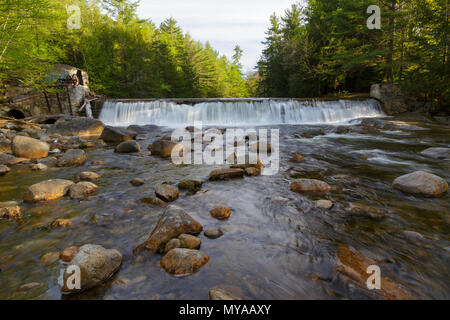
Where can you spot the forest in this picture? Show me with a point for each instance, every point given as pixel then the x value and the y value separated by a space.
pixel 322 48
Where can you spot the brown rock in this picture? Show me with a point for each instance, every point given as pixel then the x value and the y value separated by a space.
pixel 117 135
pixel 183 261
pixel 130 146
pixel 38 167
pixel 190 185
pixel 221 294
pixel 252 172
pixel 68 254
pixel 5 146
pixel 421 183
pixel 47 190
pixel 7 159
pixel 221 213
pixel 310 186
pixel 154 201
pixel 363 210
pixel 189 241
pixel 297 158
pixel 72 157
pixel 223 174
pixel 87 176
pixel 80 126
pixel 167 192
pixel 164 148
pixel 50 258
pixel 4 170
pixel 82 189
pixel 30 148
pixel 137 182
pixel 61 223
pixel 172 244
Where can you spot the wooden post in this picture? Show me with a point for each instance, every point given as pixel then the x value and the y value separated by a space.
pixel 70 102
pixel 59 103
pixel 48 103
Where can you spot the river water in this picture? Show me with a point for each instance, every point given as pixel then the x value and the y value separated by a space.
pixel 276 244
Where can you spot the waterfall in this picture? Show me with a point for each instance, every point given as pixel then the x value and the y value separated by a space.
pixel 227 112
pixel 89 110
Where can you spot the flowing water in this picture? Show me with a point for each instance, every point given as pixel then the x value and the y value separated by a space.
pixel 276 244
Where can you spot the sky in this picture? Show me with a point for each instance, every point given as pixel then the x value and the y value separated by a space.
pixel 225 23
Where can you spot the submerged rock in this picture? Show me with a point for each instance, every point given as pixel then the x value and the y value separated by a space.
pixel 297 158
pixel 191 185
pixel 173 222
pixel 77 126
pixel 183 261
pixel 117 135
pixel 9 160
pixel 38 167
pixel 252 172
pixel 4 170
pixel 61 223
pixel 137 182
pixel 10 210
pixel 213 233
pixel 154 201
pixel 5 146
pixel 221 213
pixel 47 190
pixel 221 294
pixel 96 264
pixel 82 189
pixel 50 258
pixel 189 241
pixel 310 186
pixel 165 148
pixel 72 157
pixel 130 146
pixel 29 286
pixel 324 204
pixel 223 174
pixel 421 183
pixel 172 244
pixel 30 148
pixel 167 192
pixel 437 153
pixel 363 210
pixel 68 254
pixel 87 176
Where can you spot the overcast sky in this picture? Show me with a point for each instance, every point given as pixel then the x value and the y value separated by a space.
pixel 225 23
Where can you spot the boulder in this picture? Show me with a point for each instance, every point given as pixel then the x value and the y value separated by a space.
pixel 172 244
pixel 252 172
pixel 117 135
pixel 221 213
pixel 96 264
pixel 82 189
pixel 47 190
pixel 10 210
pixel 363 210
pixel 189 241
pixel 421 183
pixel 324 204
pixel 87 176
pixel 167 192
pixel 174 222
pixel 213 233
pixel 191 185
pixel 130 146
pixel 7 159
pixel 72 158
pixel 154 201
pixel 437 153
pixel 310 186
pixel 165 148
pixel 183 261
pixel 77 127
pixel 4 170
pixel 38 167
pixel 30 148
pixel 223 174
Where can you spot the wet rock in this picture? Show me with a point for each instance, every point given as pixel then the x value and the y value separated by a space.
pixel 121 284
pixel 189 241
pixel 172 244
pixel 174 222
pixel 68 254
pixel 9 160
pixel 77 126
pixel 30 148
pixel 72 157
pixel 353 266
pixel 221 213
pixel 312 186
pixel 154 202
pixel 96 264
pixel 137 182
pixel 213 233
pixel 130 146
pixel 50 161
pixel 87 145
pixel 437 153
pixel 421 183
pixel 10 210
pixel 167 192
pixel 29 286
pixel 363 210
pixel 223 174
pixel 50 258
pixel 4 170
pixel 61 223
pixel 5 146
pixel 87 176
pixel 297 158
pixel 142 129
pixel 47 190
pixel 260 147
pixel 413 236
pixel 191 185
pixel 165 148
pixel 257 165
pixel 117 135
pixel 38 167
pixel 252 172
pixel 324 204
pixel 345 179
pixel 221 294
pixel 99 163
pixel 183 261
pixel 82 189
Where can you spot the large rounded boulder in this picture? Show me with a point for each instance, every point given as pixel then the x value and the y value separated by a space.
pixel 117 135
pixel 421 183
pixel 47 190
pixel 26 147
pixel 72 158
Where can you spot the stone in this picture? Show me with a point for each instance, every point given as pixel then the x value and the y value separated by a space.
pixel 38 167
pixel 324 204
pixel 68 254
pixel 7 159
pixel 221 294
pixel 47 190
pixel 137 182
pixel 223 174
pixel 82 189
pixel 260 146
pixel 257 165
pixel 173 222
pixel 437 153
pixel 29 148
pixel 312 186
pixel 221 213
pixel 77 126
pixel 5 146
pixel 154 201
pixel 189 241
pixel 130 146
pixel 87 176
pixel 191 185
pixel 10 210
pixel 167 192
pixel 297 158
pixel 61 223
pixel 4 170
pixel 29 286
pixel 164 148
pixel 96 264
pixel 72 157
pixel 363 210
pixel 183 261
pixel 172 244
pixel 50 258
pixel 413 235
pixel 117 135
pixel 421 183
pixel 252 172
pixel 213 233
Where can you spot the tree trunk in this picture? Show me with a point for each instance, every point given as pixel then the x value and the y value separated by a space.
pixel 390 52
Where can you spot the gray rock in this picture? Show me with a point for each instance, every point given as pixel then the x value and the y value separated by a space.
pixel 117 135
pixel 213 233
pixel 167 192
pixel 437 153
pixel 130 146
pixel 165 148
pixel 421 183
pixel 224 174
pixel 82 189
pixel 72 157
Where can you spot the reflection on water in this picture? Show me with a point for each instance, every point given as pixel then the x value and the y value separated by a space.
pixel 277 245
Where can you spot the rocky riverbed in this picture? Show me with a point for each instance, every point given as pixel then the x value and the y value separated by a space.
pixel 370 192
